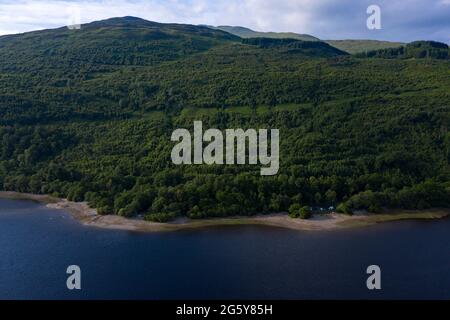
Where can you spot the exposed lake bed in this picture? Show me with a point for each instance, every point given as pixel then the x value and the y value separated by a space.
pixel 88 216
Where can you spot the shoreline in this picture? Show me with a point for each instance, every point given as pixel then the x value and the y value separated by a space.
pixel 334 221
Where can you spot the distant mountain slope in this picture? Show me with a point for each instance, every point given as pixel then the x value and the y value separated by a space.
pixel 416 50
pixel 249 33
pixel 350 46
pixel 356 46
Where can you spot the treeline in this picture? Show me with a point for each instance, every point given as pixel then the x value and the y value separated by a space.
pixel 428 194
pixel 416 50
pixel 314 49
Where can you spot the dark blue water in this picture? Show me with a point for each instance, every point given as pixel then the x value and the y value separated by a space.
pixel 37 244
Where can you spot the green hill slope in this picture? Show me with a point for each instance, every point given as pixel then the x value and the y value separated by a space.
pixel 357 46
pixel 116 41
pixel 93 122
pixel 413 50
pixel 51 66
pixel 350 46
pixel 249 33
pixel 316 49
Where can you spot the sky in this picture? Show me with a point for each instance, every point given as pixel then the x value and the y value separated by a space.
pixel 401 20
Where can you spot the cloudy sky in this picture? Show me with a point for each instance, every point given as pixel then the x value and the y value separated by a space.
pixel 402 20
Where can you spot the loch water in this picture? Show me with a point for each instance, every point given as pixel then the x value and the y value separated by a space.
pixel 37 244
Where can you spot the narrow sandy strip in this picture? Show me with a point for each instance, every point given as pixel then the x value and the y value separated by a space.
pixel 89 217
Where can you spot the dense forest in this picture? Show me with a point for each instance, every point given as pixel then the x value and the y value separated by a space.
pixel 88 114
pixel 413 50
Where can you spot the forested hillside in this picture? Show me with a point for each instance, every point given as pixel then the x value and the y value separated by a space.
pixel 413 50
pixel 88 114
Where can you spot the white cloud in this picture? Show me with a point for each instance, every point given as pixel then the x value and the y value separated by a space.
pixel 278 15
pixel 327 19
